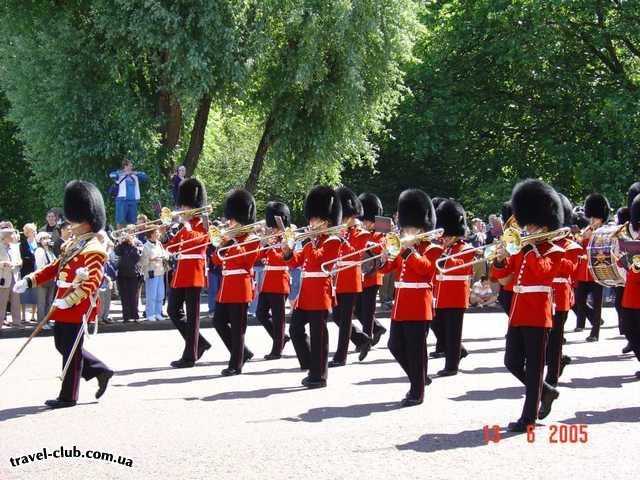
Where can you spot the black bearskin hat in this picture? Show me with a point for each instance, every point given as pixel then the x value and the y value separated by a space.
pixel 277 209
pixel 191 193
pixel 506 211
pixel 634 190
pixel 536 203
pixel 415 209
pixel 596 205
pixel 324 203
pixel 623 215
pixel 436 202
pixel 371 206
pixel 567 208
pixel 83 203
pixel 634 213
pixel 451 217
pixel 351 204
pixel 240 206
pixel 581 221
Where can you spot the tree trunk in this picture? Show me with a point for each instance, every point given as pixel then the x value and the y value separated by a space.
pixel 170 111
pixel 196 142
pixel 266 142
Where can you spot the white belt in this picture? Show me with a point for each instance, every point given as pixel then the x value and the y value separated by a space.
pixel 349 263
pixel 63 284
pixel 560 280
pixel 532 289
pixel 460 278
pixel 412 285
pixel 190 256
pixel 314 275
pixel 275 268
pixel 237 271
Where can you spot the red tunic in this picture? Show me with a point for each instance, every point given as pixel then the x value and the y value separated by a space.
pixel 452 289
pixel 237 273
pixel 413 294
pixel 376 277
pixel 350 280
pixel 78 295
pixel 276 278
pixel 191 269
pixel 562 289
pixel 582 273
pixel 534 271
pixel 315 287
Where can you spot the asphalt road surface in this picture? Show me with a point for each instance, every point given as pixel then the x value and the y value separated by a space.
pixel 157 422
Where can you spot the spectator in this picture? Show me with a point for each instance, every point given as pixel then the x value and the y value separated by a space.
pixel 65 234
pixel 52 225
pixel 104 292
pixel 214 277
pixel 478 235
pixel 44 293
pixel 28 247
pixel 179 176
pixel 128 192
pixel 482 295
pixel 152 266
pixel 495 228
pixel 128 251
pixel 10 263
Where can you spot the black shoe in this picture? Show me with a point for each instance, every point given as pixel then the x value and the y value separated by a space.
pixel 230 372
pixel 377 335
pixel 58 403
pixel 564 341
pixel 103 381
pixel 201 352
pixel 364 350
pixel 520 426
pixel 578 329
pixel 286 339
pixel 548 398
pixel 272 356
pixel 638 374
pixel 627 349
pixel 247 357
pixel 335 363
pixel 601 322
pixel 591 338
pixel 182 364
pixel 309 383
pixel 464 353
pixel 410 402
pixel 447 373
pixel 436 354
pixel 427 380
pixel 564 361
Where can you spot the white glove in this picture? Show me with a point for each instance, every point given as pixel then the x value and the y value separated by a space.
pixel 61 304
pixel 82 274
pixel 21 286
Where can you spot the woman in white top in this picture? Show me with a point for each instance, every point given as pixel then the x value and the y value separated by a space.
pixel 152 267
pixel 44 256
pixel 10 263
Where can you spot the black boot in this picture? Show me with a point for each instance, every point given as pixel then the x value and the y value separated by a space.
pixel 548 397
pixel 59 403
pixel 103 381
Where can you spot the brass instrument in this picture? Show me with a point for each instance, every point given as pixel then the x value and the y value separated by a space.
pixel 166 218
pixel 288 235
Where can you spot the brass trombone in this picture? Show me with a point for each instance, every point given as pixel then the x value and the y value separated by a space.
pixel 166 217
pixel 392 245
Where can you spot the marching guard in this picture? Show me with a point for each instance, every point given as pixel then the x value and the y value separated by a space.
pixel 631 295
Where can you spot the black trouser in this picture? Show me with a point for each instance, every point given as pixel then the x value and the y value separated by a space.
pixel 583 311
pixel 366 311
pixel 83 363
pixel 194 343
pixel 274 303
pixel 504 299
pixel 524 357
pixel 312 354
pixel 632 326
pixel 408 345
pixel 447 327
pixel 342 315
pixel 230 321
pixel 619 292
pixel 128 288
pixel 554 348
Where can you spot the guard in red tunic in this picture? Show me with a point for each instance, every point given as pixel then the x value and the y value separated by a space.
pixel 348 282
pixel 624 216
pixel 273 292
pixel 236 288
pixel 190 274
pixel 505 295
pixel 78 273
pixel 372 277
pixel 537 208
pixel 562 298
pixel 452 289
pixel 322 209
pixel 631 295
pixel 412 308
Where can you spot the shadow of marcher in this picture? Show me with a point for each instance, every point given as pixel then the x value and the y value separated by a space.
pixel 481 370
pixel 612 381
pixel 247 394
pixel 507 393
pixel 164 381
pixel 615 415
pixel 383 381
pixel 316 415
pixel 133 371
pixel 435 442
pixel 19 412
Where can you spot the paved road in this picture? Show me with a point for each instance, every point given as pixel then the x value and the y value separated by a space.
pixel 192 424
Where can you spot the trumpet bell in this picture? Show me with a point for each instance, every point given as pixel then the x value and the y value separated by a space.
pixel 393 244
pixel 215 236
pixel 166 215
pixel 512 241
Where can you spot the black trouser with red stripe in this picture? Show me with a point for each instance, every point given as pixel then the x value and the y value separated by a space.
pixel 583 310
pixel 366 310
pixel 274 303
pixel 447 327
pixel 312 353
pixel 524 357
pixel 342 316
pixel 230 321
pixel 194 343
pixel 408 345
pixel 554 348
pixel 632 327
pixel 619 292
pixel 83 363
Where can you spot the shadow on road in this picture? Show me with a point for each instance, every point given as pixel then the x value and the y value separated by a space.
pixel 274 371
pixel 576 360
pixel 163 381
pixel 435 442
pixel 383 381
pixel 133 371
pixel 315 415
pixel 12 413
pixel 615 415
pixel 507 393
pixel 247 394
pixel 485 370
pixel 612 381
